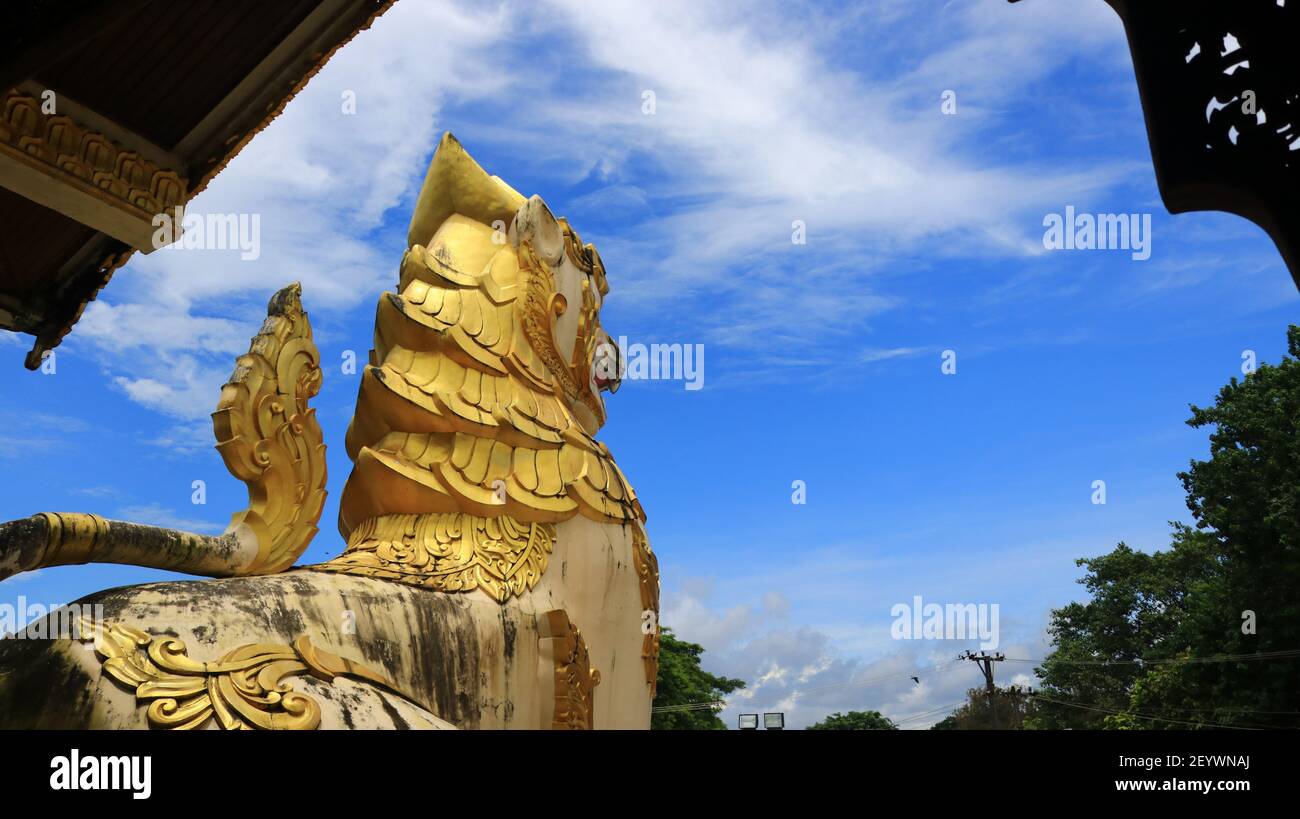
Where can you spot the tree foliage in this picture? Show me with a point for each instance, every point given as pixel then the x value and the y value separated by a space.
pixel 681 681
pixel 1177 629
pixel 1011 706
pixel 855 721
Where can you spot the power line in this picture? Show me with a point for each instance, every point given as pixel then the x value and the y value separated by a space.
pixel 692 706
pixel 1152 717
pixel 1217 658
pixel 931 713
pixel 1235 708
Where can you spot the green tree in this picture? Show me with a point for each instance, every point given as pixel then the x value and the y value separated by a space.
pixel 682 682
pixel 1013 706
pixel 1138 603
pixel 1177 629
pixel 1246 496
pixel 855 721
pixel 948 723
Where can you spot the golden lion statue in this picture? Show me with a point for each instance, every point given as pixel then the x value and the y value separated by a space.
pixel 497 573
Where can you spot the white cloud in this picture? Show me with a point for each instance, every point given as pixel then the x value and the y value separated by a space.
pixel 759 122
pixel 876 354
pixel 178 384
pixel 320 181
pixel 796 669
pixel 23 577
pixel 814 636
pixel 98 492
pixel 152 514
pixel 27 433
pixel 756 125
pixel 14 446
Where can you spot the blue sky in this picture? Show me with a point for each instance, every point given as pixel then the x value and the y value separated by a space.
pixel 924 234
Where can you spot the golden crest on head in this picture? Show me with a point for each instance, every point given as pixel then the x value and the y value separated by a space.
pixel 484 390
pixel 456 184
pixel 473 223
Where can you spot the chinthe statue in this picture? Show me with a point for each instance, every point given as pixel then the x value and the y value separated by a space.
pixel 497 572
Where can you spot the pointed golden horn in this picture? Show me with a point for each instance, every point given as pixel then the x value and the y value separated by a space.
pixel 456 183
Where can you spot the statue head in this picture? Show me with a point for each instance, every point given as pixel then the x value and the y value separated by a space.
pixel 485 388
pixel 476 224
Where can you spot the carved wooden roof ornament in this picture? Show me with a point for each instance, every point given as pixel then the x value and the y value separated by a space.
pixel 1220 90
pixel 97 138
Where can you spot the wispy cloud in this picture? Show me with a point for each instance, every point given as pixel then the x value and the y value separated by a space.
pixel 798 669
pixel 153 514
pixel 12 446
pixel 758 124
pixel 29 433
pixel 873 355
pixel 321 182
pixel 98 492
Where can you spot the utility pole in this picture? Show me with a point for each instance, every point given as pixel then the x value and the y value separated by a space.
pixel 985 661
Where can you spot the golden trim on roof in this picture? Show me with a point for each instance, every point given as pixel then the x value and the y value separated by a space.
pixel 91 162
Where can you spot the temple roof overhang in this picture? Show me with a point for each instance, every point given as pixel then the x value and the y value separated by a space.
pixel 114 111
pixel 1220 90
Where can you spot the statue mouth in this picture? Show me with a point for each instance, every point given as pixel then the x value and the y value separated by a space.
pixel 604 384
pixel 607 367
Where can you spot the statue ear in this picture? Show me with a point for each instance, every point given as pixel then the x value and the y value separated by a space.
pixel 535 224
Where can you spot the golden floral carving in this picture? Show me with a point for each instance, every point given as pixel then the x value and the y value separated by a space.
pixel 61 147
pixel 575 679
pixel 246 689
pixel 584 255
pixel 450 552
pixel 542 305
pixel 647 569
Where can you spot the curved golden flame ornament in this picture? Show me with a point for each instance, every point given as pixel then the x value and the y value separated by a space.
pixel 245 690
pixel 270 439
